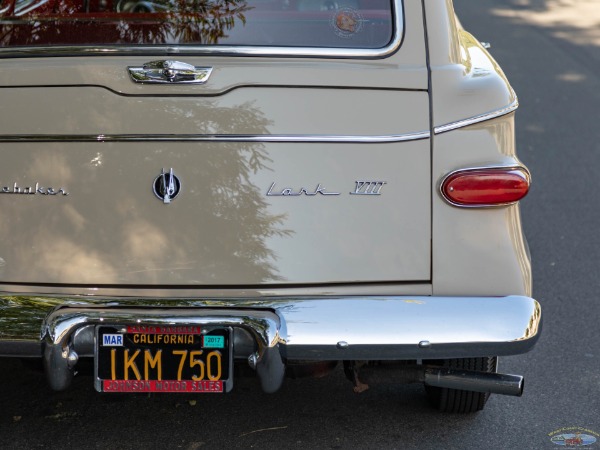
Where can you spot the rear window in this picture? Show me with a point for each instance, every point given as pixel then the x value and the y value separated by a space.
pixel 361 24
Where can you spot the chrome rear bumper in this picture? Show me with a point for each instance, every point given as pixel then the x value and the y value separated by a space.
pixel 350 328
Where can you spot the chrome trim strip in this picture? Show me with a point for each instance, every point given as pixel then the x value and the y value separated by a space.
pixel 522 169
pixel 291 52
pixel 212 138
pixel 476 119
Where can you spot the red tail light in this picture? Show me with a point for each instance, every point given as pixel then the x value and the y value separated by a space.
pixel 486 187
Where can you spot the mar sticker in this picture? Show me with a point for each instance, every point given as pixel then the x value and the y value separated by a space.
pixel 346 22
pixel 112 340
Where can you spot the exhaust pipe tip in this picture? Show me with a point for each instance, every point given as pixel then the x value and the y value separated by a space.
pixel 494 383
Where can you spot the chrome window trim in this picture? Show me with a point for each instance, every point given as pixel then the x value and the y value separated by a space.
pixel 224 50
pixel 520 168
pixel 213 138
pixel 477 119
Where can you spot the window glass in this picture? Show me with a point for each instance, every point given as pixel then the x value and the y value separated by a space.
pixel 365 24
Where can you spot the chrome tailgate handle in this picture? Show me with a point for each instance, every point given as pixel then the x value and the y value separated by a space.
pixel 169 72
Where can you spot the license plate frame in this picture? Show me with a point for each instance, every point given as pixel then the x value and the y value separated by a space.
pixel 201 352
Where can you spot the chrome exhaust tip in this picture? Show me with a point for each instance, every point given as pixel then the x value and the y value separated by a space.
pixel 494 383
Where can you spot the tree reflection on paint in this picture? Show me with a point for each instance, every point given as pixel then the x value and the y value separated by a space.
pixel 113 231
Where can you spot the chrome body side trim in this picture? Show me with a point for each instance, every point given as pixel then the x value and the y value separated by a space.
pixel 419 135
pixel 212 138
pixel 476 119
pixel 224 50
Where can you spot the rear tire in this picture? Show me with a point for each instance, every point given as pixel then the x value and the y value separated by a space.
pixel 456 400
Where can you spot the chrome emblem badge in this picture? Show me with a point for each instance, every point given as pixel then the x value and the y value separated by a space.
pixel 166 186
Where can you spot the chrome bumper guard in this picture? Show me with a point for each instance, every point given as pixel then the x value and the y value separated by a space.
pixel 351 328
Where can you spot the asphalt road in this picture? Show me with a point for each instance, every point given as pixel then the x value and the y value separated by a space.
pixel 554 69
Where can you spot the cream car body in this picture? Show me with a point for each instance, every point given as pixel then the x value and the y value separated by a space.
pixel 309 217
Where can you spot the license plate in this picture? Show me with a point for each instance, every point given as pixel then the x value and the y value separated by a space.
pixel 187 359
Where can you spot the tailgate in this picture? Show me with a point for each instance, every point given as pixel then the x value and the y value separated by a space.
pixel 276 185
